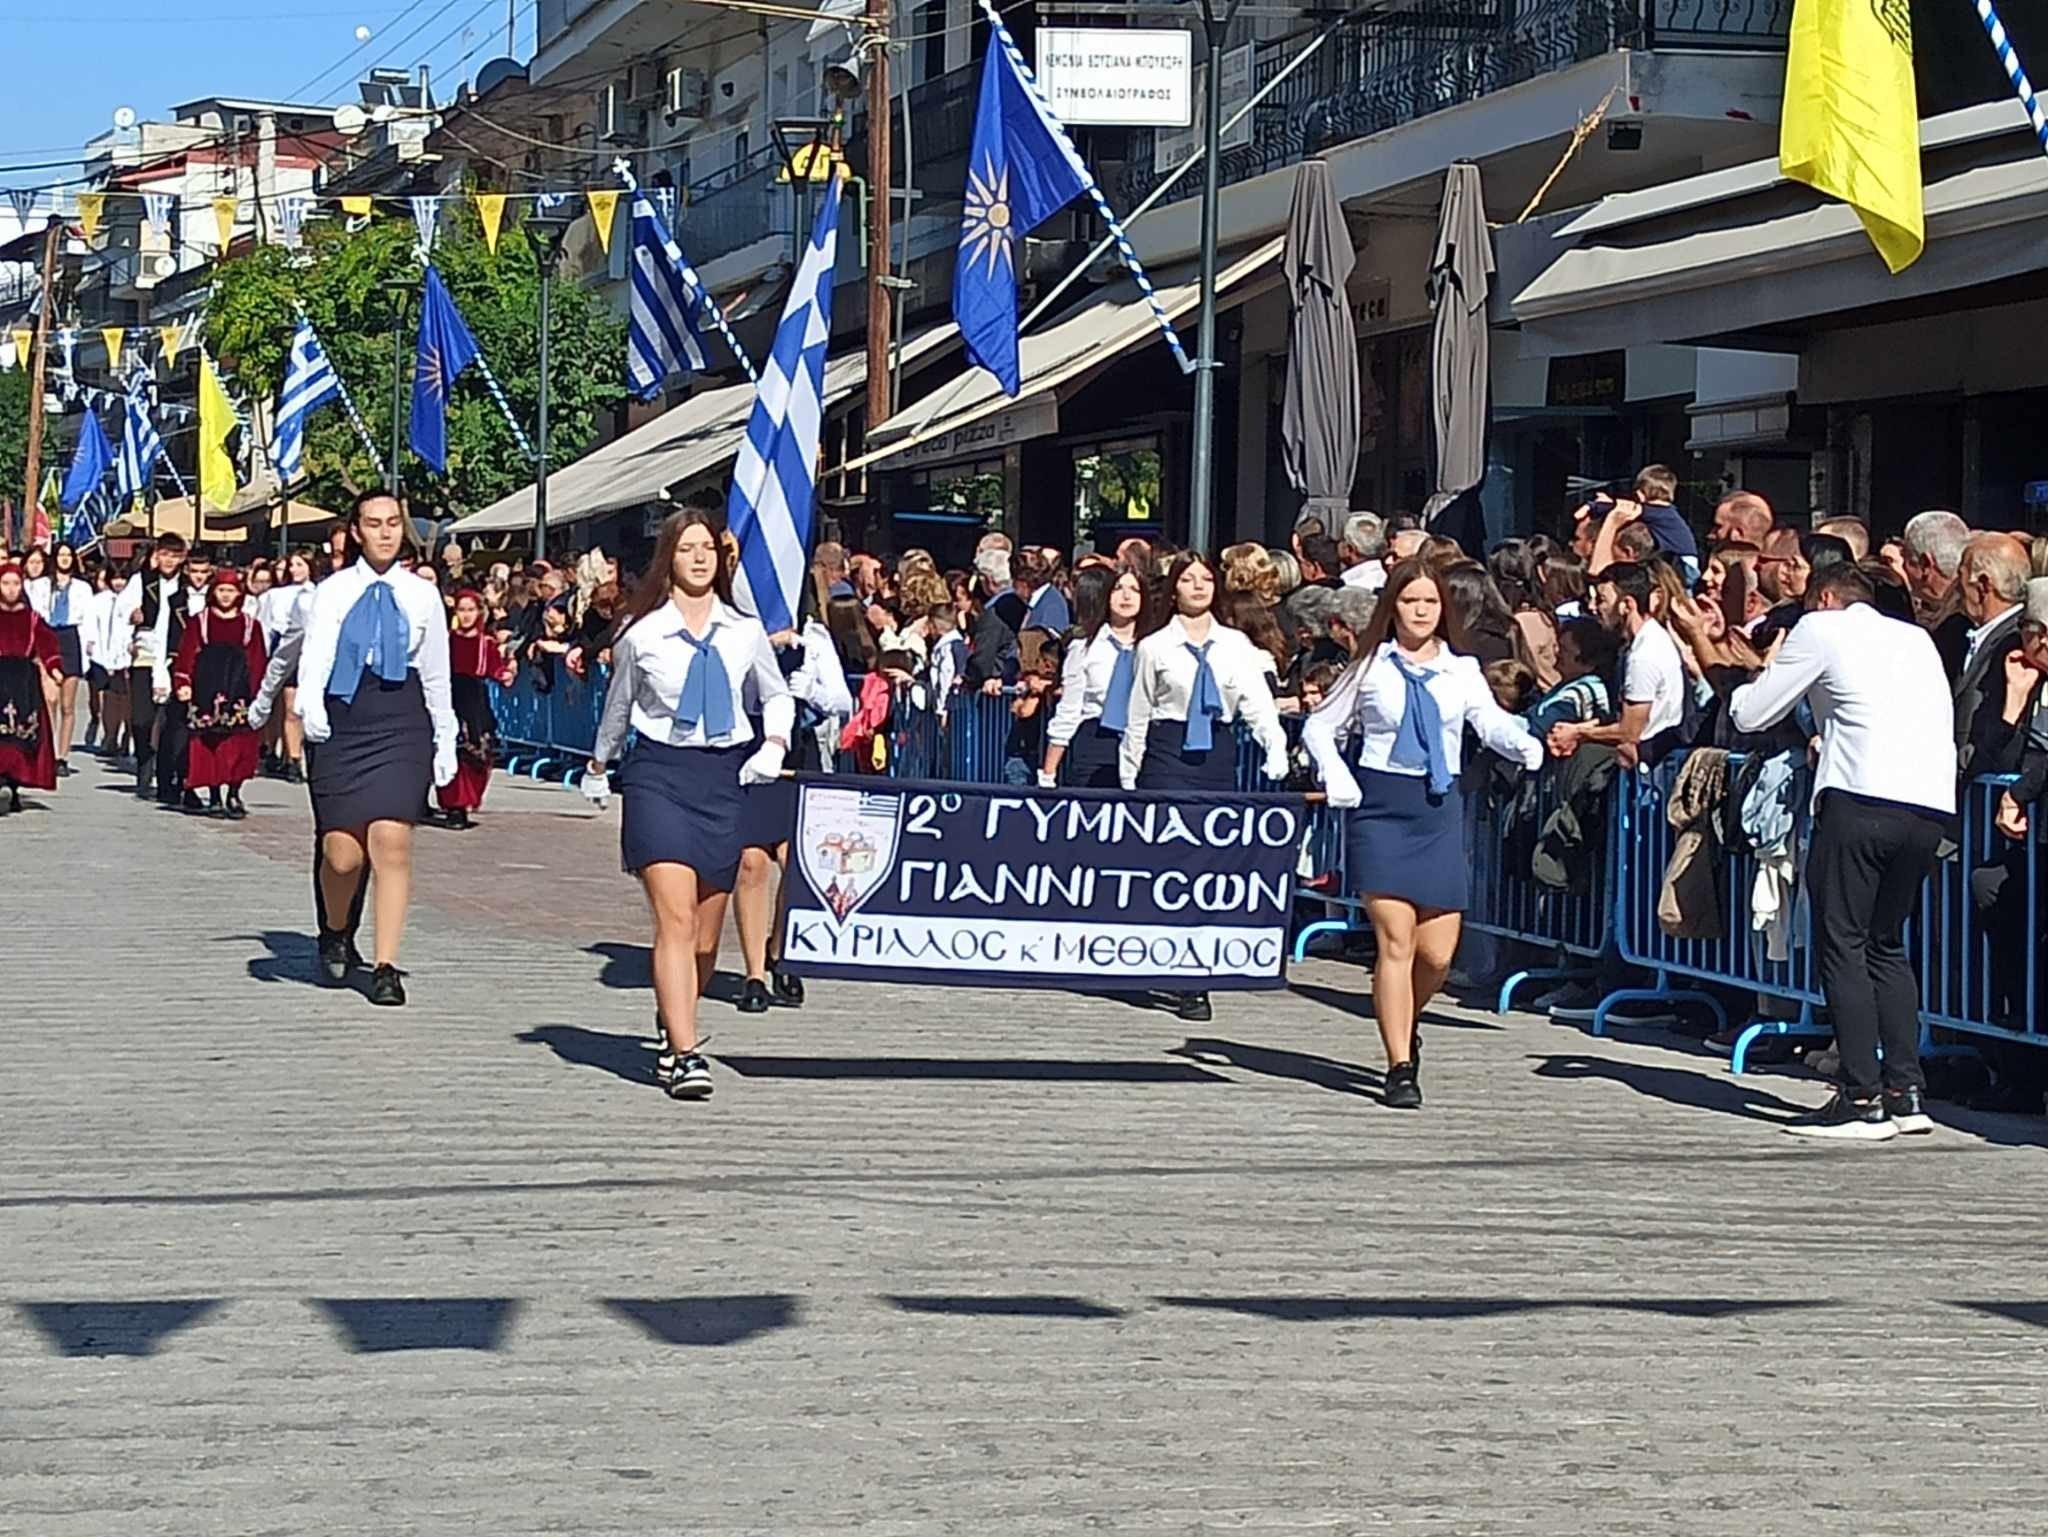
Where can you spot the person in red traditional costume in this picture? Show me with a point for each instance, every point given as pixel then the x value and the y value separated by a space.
pixel 475 662
pixel 219 665
pixel 29 665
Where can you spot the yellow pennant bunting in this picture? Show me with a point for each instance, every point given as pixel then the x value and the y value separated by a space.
pixel 356 207
pixel 224 221
pixel 113 336
pixel 24 345
pixel 490 211
pixel 91 205
pixel 604 207
pixel 173 337
pixel 216 421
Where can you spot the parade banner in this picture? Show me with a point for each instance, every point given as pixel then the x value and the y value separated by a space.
pixel 1000 886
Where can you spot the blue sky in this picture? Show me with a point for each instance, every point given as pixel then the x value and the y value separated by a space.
pixel 81 61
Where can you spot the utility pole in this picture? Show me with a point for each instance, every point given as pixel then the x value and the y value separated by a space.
pixel 35 383
pixel 875 66
pixel 399 289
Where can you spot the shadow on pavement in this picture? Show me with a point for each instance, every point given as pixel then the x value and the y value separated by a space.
pixel 1006 1307
pixel 707 1320
pixel 1675 1085
pixel 1338 1309
pixel 376 1324
pixel 973 1069
pixel 1323 1072
pixel 1358 1004
pixel 631 968
pixel 2035 1313
pixel 623 1056
pixel 114 1328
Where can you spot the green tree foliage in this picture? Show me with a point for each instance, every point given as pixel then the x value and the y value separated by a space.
pixel 14 434
pixel 338 278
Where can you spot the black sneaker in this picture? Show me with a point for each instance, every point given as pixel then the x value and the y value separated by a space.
pixel 1908 1110
pixel 1194 1008
pixel 1404 1088
pixel 63 768
pixel 336 954
pixel 789 990
pixel 236 811
pixel 1843 1119
pixel 691 1078
pixel 295 774
pixel 1636 1011
pixel 386 990
pixel 754 997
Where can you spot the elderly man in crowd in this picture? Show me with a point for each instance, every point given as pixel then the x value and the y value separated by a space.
pixel 1990 586
pixel 830 563
pixel 1363 548
pixel 1933 551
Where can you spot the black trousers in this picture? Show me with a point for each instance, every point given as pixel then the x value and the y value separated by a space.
pixel 142 708
pixel 173 736
pixel 1863 875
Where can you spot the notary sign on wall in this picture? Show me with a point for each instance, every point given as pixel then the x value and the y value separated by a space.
pixel 994 886
pixel 1110 78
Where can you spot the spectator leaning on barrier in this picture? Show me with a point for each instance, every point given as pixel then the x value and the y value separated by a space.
pixel 1884 799
pixel 1653 682
pixel 1931 550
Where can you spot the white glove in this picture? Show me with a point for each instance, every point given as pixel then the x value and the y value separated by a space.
pixel 1047 781
pixel 315 722
pixel 1276 766
pixel 596 788
pixel 765 767
pixel 444 765
pixel 259 712
pixel 1342 793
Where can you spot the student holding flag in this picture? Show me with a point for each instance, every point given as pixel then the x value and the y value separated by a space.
pixel 1087 730
pixel 688 670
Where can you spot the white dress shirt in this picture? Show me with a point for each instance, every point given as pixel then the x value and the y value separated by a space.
pixel 114 645
pixel 1974 641
pixel 44 602
pixel 426 649
pixel 1084 686
pixel 274 609
pixel 1876 685
pixel 1653 673
pixel 284 650
pixel 1367 576
pixel 1368 705
pixel 1164 676
pixel 651 663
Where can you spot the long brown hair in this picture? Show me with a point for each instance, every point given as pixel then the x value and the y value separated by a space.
pixel 654 585
pixel 1416 568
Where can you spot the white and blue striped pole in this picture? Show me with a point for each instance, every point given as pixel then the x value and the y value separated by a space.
pixel 2009 57
pixel 690 274
pixel 1109 218
pixel 355 417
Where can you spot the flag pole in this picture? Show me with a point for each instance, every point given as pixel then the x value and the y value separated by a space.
pixel 2008 56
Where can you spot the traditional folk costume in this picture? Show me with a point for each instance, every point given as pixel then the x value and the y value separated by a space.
pixel 221 660
pixel 156 718
pixel 28 651
pixel 474 663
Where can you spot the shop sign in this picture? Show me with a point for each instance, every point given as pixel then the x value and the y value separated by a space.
pixel 1112 78
pixel 1171 147
pixel 1037 416
pixel 1597 379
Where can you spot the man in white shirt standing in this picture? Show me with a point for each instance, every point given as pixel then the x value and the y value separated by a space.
pixel 1884 798
pixel 1652 680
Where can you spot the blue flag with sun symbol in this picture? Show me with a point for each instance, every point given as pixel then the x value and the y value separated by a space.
pixel 1021 170
pixel 445 349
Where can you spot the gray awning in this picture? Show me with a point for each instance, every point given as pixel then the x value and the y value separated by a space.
pixel 1741 251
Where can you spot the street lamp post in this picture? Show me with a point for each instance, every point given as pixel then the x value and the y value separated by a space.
pixel 399 289
pixel 1202 473
pixel 546 229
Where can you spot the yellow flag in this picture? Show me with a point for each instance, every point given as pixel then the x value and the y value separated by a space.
pixel 604 207
pixel 25 345
pixel 490 211
pixel 91 205
pixel 224 220
pixel 113 336
pixel 216 421
pixel 173 337
pixel 1851 120
pixel 356 207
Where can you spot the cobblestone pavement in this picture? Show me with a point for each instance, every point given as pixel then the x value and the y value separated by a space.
pixel 931 1261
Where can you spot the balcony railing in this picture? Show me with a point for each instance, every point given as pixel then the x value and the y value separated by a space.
pixel 731 209
pixel 1390 67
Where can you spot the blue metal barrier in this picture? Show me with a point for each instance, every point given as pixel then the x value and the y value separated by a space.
pixel 1979 976
pixel 1508 901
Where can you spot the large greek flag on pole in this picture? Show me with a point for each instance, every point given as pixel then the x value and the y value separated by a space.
pixel 140 445
pixel 309 382
pixel 667 301
pixel 774 484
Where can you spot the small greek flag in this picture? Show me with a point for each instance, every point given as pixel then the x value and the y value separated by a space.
pixel 160 208
pixel 775 481
pixel 665 335
pixel 309 382
pixel 140 446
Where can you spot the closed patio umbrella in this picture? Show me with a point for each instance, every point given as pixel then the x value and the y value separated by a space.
pixel 1460 278
pixel 1319 413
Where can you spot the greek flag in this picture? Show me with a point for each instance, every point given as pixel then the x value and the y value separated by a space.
pixel 140 446
pixel 668 301
pixel 310 382
pixel 775 481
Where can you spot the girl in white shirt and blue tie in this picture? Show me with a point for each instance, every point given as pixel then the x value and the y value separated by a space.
pixel 1087 729
pixel 1192 682
pixel 687 670
pixel 1403 707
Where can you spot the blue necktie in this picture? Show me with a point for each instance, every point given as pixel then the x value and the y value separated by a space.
pixel 1116 700
pixel 1205 702
pixel 60 611
pixel 706 699
pixel 1420 741
pixel 374 638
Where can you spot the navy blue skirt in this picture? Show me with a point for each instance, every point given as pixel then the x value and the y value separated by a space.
pixel 1404 842
pixel 1169 765
pixel 378 763
pixel 683 806
pixel 1091 762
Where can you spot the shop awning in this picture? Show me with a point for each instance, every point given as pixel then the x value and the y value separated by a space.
pixel 1089 336
pixel 699 436
pixel 1731 255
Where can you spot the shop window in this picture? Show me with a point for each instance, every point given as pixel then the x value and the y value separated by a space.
pixel 1116 482
pixel 973 489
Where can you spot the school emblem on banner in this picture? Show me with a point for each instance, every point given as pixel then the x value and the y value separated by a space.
pixel 846 845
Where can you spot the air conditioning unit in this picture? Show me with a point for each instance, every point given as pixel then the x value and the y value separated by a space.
pixel 643 83
pixel 689 96
pixel 623 122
